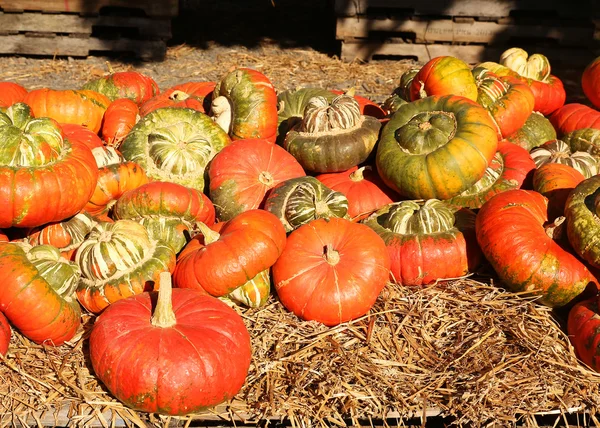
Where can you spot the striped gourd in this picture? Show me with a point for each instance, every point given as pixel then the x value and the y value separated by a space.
pixel 255 292
pixel 557 151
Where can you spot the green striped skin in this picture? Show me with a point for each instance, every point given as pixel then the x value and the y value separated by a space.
pixel 536 131
pixel 118 260
pixel 291 105
pixel 300 200
pixel 436 148
pixel 584 140
pixel 332 137
pixel 175 145
pixel 583 222
pixel 557 151
pixel 61 274
pixel 255 292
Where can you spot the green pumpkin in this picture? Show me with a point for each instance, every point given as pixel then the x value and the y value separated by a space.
pixel 436 147
pixel 291 105
pixel 535 132
pixel 584 140
pixel 300 200
pixel 175 145
pixel 582 211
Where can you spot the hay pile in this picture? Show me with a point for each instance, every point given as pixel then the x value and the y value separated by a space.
pixel 466 349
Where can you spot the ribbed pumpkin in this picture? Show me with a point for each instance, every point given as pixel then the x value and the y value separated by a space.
pixel 436 147
pixel 444 75
pixel 590 82
pixel 510 231
pixel 132 85
pixel 119 119
pixel 82 107
pixel 584 140
pixel 572 117
pixel 558 151
pixel 73 132
pixel 367 107
pixel 582 212
pixel 508 99
pixel 300 200
pixel 242 173
pixel 175 145
pixel 400 95
pixel 427 241
pixel 556 181
pixel 509 169
pixel 535 132
pixel 244 104
pixel 11 93
pixel 115 177
pixel 331 271
pixel 362 187
pixel 118 260
pixel 247 245
pixel 169 211
pixel 174 354
pixel 194 95
pixel 5 334
pixel 29 301
pixel 583 326
pixel 37 164
pixel 332 137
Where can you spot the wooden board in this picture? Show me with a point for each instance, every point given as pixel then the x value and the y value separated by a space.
pixel 487 8
pixel 15 23
pixel 472 54
pixel 466 30
pixel 80 47
pixel 166 8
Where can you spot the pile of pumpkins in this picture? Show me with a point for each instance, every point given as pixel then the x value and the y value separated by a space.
pixel 158 211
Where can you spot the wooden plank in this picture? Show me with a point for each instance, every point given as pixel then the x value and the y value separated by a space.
pixel 489 8
pixel 14 23
pixel 166 8
pixel 463 31
pixel 472 54
pixel 80 47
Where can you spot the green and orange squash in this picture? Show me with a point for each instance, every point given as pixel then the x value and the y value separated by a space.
pixel 132 85
pixel 444 75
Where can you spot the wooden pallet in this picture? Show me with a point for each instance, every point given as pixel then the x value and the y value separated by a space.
pixel 162 8
pixel 465 30
pixel 482 8
pixel 472 54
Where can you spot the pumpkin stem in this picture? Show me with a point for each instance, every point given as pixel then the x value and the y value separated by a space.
pixel 222 113
pixel 331 256
pixel 109 68
pixel 163 315
pixel 556 230
pixel 266 178
pixel 351 91
pixel 422 92
pixel 210 235
pixel 358 174
pixel 178 95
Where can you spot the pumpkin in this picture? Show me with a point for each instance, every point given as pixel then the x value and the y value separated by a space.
pixel 510 231
pixel 175 354
pixel 362 187
pixel 427 241
pixel 331 271
pixel 556 181
pixel 29 301
pixel 118 260
pixel 247 245
pixel 572 117
pixel 436 147
pixel 167 210
pixel 82 107
pixel 11 93
pixel 115 177
pixel 132 85
pixel 557 151
pixel 300 200
pixel 583 325
pixel 366 106
pixel 509 169
pixel 584 140
pixel 37 164
pixel 400 95
pixel 291 105
pixel 581 211
pixel 244 104
pixel 119 119
pixel 508 99
pixel 175 145
pixel 73 132
pixel 5 334
pixel 535 132
pixel 590 82
pixel 444 75
pixel 242 173
pixel 194 95
pixel 332 137
pixel 65 236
